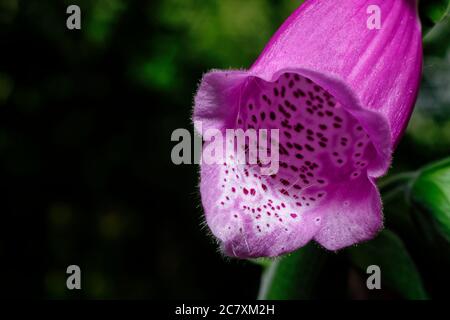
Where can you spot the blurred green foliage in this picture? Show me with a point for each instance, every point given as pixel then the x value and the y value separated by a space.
pixel 430 190
pixel 432 12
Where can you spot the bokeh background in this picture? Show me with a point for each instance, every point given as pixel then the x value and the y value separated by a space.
pixel 86 118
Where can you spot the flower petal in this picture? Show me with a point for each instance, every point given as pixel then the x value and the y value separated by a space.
pixel 217 98
pixel 353 214
pixel 381 66
pixel 323 148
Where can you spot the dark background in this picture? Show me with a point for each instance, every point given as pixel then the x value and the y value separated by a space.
pixel 86 118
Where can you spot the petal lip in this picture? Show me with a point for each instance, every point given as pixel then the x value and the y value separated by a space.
pixel 360 223
pixel 245 243
pixel 216 89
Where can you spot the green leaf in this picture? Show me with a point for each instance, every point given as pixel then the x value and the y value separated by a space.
pixel 398 271
pixel 432 12
pixel 430 192
pixel 263 262
pixel 293 276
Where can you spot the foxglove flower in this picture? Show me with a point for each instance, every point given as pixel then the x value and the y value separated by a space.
pixel 341 95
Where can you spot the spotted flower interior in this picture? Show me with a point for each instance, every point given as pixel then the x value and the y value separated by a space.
pixel 324 154
pixel 321 146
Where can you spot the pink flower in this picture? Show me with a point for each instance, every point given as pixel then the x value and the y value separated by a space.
pixel 341 95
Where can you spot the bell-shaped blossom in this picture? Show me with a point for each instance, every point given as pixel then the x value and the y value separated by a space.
pixel 340 89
